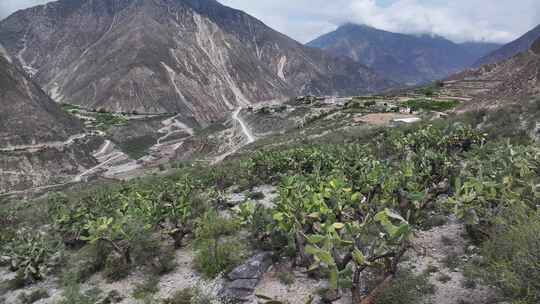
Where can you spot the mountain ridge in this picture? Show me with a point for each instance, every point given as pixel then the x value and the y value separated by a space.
pixel 197 58
pixel 28 115
pixel 521 44
pixel 412 59
pixel 513 80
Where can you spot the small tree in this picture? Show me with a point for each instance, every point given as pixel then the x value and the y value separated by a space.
pixel 217 250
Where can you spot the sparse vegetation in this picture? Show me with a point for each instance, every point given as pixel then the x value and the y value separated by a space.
pixel 73 295
pixel 33 296
pixel 217 248
pixel 29 254
pixel 407 289
pixel 452 261
pixel 512 256
pixel 346 208
pixel 189 296
pixel 147 288
pixel 431 105
pixel 137 147
pixel 444 278
pixel 286 277
pixel 105 120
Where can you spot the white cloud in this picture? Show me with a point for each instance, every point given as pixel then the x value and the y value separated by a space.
pixel 459 20
pixel 9 6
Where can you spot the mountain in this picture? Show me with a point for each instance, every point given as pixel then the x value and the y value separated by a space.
pixel 39 143
pixel 194 57
pixel 478 49
pixel 404 58
pixel 513 48
pixel 516 79
pixel 28 115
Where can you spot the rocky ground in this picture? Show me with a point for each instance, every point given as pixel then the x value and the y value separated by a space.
pixel 443 251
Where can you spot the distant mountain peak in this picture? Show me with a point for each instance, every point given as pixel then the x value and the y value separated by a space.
pixel 356 25
pixel 194 57
pixel 406 58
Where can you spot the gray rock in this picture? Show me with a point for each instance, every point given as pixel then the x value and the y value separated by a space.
pixel 244 279
pixel 235 295
pixel 244 284
pixel 254 268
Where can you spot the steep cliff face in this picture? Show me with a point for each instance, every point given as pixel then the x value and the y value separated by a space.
pixel 28 116
pixel 404 58
pixel 195 57
pixel 39 143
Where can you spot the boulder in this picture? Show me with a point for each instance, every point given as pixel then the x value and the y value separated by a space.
pixel 254 268
pixel 242 281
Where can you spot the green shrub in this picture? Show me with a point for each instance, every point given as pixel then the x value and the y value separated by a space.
pixel 512 257
pixel 116 268
pixel 146 288
pixel 370 103
pixel 257 219
pixel 17 282
pixel 137 147
pixel 407 288
pixel 30 254
pixel 444 278
pixel 217 250
pixel 428 91
pixel 164 262
pixel 183 296
pixel 84 263
pixel 257 196
pixel 286 277
pixel 106 120
pixel 73 295
pixel 452 261
pixel 189 296
pixel 34 296
pixel 435 220
pixel 431 105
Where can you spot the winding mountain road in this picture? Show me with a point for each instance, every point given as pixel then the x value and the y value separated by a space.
pixel 245 130
pixel 57 144
pixel 246 134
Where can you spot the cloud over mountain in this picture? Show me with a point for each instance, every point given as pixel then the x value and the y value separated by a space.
pixel 459 20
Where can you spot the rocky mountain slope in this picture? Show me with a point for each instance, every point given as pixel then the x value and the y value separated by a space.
pixel 511 49
pixel 400 57
pixel 515 78
pixel 479 49
pixel 40 144
pixel 194 57
pixel 28 115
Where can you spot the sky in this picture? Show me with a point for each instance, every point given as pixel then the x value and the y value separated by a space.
pixel 459 20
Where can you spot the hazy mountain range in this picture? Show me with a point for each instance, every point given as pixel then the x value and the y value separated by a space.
pixel 410 59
